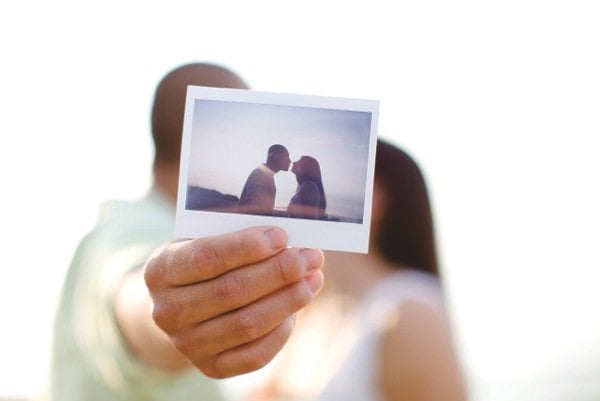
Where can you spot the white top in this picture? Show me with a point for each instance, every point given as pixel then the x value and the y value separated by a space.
pixel 332 356
pixel 357 377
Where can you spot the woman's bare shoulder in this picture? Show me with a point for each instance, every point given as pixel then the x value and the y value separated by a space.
pixel 418 357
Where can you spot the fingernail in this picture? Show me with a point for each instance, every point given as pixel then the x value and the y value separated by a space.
pixel 276 237
pixel 313 258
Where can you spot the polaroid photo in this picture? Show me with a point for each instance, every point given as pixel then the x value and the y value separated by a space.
pixel 301 162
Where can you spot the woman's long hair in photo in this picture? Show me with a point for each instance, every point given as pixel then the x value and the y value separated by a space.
pixel 309 170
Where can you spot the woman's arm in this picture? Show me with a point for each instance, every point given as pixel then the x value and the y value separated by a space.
pixel 418 360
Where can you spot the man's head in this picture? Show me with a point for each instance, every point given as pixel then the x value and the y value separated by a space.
pixel 278 158
pixel 169 105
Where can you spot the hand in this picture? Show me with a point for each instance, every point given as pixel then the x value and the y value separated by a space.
pixel 228 302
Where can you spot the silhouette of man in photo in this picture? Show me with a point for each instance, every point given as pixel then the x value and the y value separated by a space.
pixel 258 195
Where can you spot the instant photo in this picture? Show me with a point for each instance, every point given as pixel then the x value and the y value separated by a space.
pixel 304 163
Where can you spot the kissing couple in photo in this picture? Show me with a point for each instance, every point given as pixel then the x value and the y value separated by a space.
pixel 258 194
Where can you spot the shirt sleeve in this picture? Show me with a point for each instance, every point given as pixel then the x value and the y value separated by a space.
pixel 99 338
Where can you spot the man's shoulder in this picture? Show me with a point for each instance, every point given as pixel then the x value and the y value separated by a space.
pixel 122 222
pixel 261 174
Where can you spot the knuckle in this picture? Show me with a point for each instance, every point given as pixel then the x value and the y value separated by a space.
pixel 153 272
pixel 182 342
pixel 166 315
pixel 256 359
pixel 248 245
pixel 209 368
pixel 228 289
pixel 283 269
pixel 245 247
pixel 205 257
pixel 249 326
pixel 301 295
pixel 289 266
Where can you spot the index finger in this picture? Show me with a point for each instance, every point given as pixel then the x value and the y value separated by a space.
pixel 190 261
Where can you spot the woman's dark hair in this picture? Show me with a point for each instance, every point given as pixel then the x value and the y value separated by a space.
pixel 309 170
pixel 406 233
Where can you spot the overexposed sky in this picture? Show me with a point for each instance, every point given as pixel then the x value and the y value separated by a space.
pixel 498 102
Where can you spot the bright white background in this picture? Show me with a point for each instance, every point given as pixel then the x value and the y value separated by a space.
pixel 498 101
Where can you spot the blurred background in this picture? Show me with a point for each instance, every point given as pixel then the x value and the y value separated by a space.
pixel 499 101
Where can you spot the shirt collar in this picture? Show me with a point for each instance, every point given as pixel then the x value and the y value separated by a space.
pixel 266 169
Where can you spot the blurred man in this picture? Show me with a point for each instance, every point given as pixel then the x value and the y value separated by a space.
pixel 226 303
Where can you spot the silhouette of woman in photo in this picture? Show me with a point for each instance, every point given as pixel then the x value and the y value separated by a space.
pixel 309 200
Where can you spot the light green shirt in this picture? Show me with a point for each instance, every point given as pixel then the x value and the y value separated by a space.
pixel 91 360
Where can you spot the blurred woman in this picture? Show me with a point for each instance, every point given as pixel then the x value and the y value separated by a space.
pixel 378 331
pixel 309 200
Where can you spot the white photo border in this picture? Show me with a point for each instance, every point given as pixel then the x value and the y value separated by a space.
pixel 323 234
